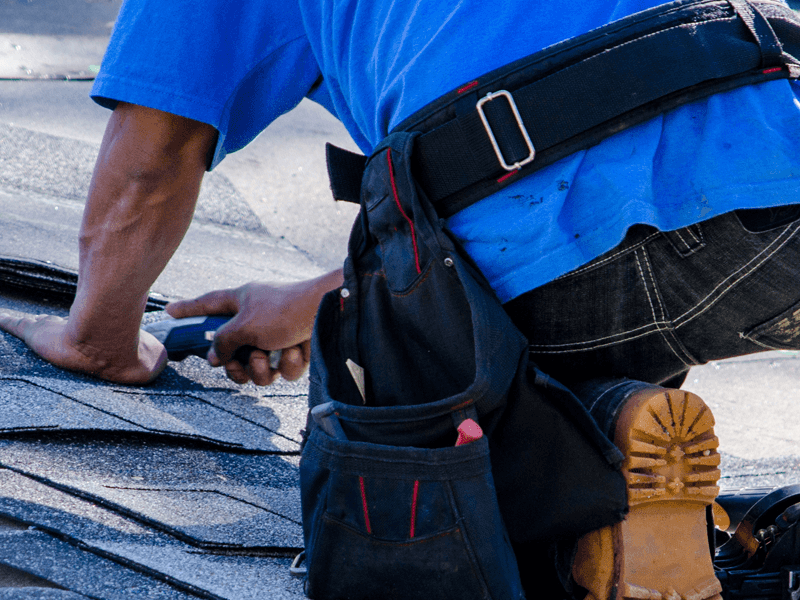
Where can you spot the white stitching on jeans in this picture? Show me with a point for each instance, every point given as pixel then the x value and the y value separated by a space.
pixel 588 344
pixel 608 258
pixel 667 332
pixel 540 349
pixel 683 241
pixel 691 232
pixel 607 337
pixel 653 281
pixel 734 278
pixel 762 344
pixel 620 337
pixel 646 291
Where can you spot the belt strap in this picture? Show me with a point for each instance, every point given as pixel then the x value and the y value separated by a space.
pixel 490 132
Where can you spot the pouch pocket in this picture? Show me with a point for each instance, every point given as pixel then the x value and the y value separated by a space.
pixel 395 522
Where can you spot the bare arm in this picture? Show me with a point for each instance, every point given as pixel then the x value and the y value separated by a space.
pixel 140 204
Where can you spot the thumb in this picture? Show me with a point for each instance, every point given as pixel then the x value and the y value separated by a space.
pixel 220 302
pixel 228 338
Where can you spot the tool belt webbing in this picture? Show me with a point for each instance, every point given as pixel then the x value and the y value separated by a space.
pixel 490 132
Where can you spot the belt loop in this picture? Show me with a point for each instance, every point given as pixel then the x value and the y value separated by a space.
pixel 687 240
pixel 768 43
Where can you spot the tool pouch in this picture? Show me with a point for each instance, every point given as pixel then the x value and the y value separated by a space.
pixel 414 343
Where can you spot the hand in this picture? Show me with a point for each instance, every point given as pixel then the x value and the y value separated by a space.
pixel 266 316
pixel 50 337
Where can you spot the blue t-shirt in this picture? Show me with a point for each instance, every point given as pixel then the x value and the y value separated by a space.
pixel 238 66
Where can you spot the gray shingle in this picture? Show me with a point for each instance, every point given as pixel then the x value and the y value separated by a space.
pixel 205 498
pixel 56 561
pixel 38 403
pixel 95 529
pixel 38 593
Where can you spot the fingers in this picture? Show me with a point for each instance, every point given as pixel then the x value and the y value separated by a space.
pixel 227 340
pixel 294 362
pixel 236 372
pixel 13 322
pixel 219 302
pixel 47 336
pixel 259 370
pixel 20 324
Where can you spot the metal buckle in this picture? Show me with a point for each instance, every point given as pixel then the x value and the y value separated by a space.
pixel 517 165
pixel 298 569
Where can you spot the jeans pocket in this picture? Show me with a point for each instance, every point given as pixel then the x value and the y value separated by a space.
pixel 779 333
pixel 399 522
pixel 759 220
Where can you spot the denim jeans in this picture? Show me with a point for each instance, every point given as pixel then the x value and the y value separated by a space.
pixel 658 304
pixel 662 302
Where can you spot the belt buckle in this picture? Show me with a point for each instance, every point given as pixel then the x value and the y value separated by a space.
pixel 532 151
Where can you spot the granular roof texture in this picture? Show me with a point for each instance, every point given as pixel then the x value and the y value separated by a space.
pixel 187 488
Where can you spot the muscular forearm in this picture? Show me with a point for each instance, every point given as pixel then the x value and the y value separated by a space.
pixel 140 205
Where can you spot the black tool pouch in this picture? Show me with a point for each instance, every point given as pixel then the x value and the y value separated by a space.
pixel 414 343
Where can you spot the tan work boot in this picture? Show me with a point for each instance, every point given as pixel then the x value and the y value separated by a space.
pixel 660 551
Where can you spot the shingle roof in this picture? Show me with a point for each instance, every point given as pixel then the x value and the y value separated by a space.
pixel 185 488
pixel 182 489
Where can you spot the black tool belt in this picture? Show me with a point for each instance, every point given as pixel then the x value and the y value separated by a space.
pixel 490 132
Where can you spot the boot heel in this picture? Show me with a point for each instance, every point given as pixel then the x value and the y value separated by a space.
pixel 660 551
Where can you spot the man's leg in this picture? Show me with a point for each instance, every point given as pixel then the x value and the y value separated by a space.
pixel 662 302
pixel 649 310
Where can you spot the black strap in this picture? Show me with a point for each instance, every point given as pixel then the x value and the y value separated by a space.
pixel 764 35
pixel 345 170
pixel 573 95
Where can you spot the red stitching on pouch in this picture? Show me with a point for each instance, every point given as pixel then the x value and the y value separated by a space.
pixel 414 508
pixel 507 175
pixel 462 405
pixel 772 70
pixel 364 503
pixel 467 87
pixel 402 212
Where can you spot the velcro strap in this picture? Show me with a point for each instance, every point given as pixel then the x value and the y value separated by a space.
pixel 345 170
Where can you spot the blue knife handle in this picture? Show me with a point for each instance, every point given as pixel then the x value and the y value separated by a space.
pixel 193 336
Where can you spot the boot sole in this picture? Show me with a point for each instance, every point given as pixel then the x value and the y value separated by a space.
pixel 660 551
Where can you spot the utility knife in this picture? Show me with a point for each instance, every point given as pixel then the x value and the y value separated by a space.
pixel 193 336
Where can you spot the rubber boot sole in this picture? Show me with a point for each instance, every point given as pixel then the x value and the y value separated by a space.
pixel 661 550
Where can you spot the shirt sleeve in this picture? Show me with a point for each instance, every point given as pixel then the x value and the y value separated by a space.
pixel 234 65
